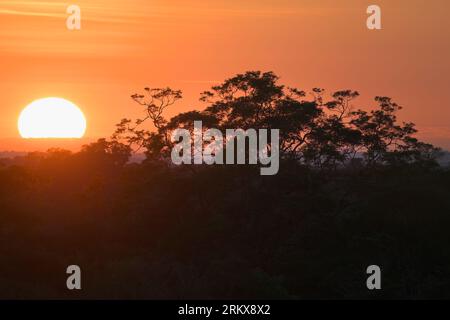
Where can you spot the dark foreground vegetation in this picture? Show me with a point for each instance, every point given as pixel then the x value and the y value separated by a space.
pixel 355 188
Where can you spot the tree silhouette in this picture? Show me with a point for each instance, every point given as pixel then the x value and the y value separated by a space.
pixel 325 133
pixel 155 102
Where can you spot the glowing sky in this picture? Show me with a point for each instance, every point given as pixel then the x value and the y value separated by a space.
pixel 191 44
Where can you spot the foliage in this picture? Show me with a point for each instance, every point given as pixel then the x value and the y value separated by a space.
pixel 355 188
pixel 318 132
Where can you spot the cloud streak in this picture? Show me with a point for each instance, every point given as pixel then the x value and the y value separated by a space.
pixel 29 13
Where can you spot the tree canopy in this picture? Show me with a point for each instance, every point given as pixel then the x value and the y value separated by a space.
pixel 318 130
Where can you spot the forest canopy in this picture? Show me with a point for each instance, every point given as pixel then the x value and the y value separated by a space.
pixel 355 188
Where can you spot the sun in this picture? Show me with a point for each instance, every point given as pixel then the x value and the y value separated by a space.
pixel 52 118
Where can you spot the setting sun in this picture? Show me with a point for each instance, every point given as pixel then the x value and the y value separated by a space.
pixel 52 118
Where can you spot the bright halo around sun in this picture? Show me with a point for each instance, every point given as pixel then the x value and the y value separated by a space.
pixel 52 118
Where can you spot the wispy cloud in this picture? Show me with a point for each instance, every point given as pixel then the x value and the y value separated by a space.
pixel 122 25
pixel 58 10
pixel 201 81
pixel 39 27
pixel 34 3
pixel 29 13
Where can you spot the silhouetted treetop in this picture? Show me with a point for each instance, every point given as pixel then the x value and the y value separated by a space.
pixel 316 129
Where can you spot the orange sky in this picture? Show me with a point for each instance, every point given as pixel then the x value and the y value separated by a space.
pixel 192 44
